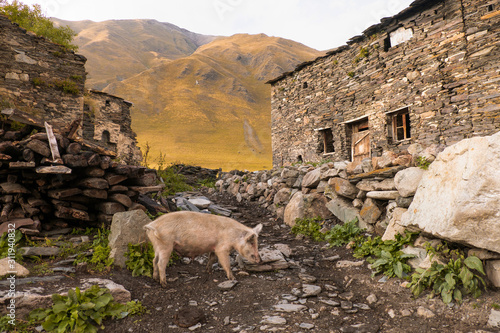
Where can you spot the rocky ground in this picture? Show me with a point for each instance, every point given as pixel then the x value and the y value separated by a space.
pixel 324 290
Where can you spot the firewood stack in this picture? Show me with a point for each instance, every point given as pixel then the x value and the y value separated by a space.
pixel 52 179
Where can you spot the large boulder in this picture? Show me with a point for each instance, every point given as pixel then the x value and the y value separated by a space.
pixel 294 209
pixel 343 187
pixel 458 197
pixel 306 206
pixel 407 181
pixel 126 227
pixel 312 178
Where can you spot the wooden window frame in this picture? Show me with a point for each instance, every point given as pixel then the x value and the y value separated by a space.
pixel 405 125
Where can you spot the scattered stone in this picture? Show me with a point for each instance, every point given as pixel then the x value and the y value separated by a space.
pixel 383 195
pixel 425 313
pixel 283 248
pixel 348 263
pixel 227 285
pixel 273 320
pixel 39 251
pixel 307 326
pixel 493 272
pixel 329 302
pixel 494 318
pixel 309 290
pixel 200 202
pixel 371 299
pixel 346 305
pixel 119 293
pixel 289 297
pixel 307 278
pixel 8 267
pixel 65 270
pixel 290 307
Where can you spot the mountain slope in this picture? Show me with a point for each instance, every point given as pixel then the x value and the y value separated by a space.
pixel 118 49
pixel 212 108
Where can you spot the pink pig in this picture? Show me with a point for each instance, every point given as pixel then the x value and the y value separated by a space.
pixel 192 234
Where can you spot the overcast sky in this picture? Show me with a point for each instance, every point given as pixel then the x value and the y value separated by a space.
pixel 321 24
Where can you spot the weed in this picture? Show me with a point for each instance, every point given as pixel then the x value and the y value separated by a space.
pixel 38 81
pixel 342 234
pixel 140 259
pixel 495 306
pixel 42 269
pixel 67 86
pixel 207 182
pixel 135 308
pixel 452 280
pixel 80 311
pixel 8 324
pixel 100 260
pixel 423 163
pixel 350 74
pixel 173 180
pixel 310 227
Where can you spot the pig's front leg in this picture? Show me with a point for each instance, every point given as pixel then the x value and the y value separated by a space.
pixel 223 256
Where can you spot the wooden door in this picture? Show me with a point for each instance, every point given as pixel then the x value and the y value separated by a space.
pixel 360 141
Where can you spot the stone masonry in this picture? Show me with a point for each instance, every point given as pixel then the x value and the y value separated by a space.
pixel 47 81
pixel 428 75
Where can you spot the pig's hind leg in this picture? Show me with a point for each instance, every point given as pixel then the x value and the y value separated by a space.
pixel 211 260
pixel 160 264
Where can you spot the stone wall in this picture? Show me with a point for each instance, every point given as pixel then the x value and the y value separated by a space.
pixel 444 73
pixel 40 76
pixel 107 122
pixel 47 81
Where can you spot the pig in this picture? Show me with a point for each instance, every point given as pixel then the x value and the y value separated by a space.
pixel 191 234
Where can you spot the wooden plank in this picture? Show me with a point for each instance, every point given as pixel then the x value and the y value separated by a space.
pixel 147 189
pixel 22 165
pixel 55 169
pixel 56 157
pixel 95 148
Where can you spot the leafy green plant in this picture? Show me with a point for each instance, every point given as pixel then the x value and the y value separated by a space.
pixel 452 280
pixel 8 324
pixel 495 306
pixel 5 245
pixel 386 256
pixel 32 19
pixel 100 260
pixel 140 259
pixel 310 227
pixel 422 162
pixel 173 180
pixel 135 308
pixel 80 311
pixel 342 234
pixel 350 74
pixel 207 182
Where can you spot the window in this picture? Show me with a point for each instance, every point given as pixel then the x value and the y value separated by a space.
pixel 305 85
pixel 400 121
pixel 397 37
pixel 490 8
pixel 327 136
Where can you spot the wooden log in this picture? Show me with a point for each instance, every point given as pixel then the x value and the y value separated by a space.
pixel 94 160
pixel 39 147
pixel 110 208
pixel 75 161
pixel 27 208
pixel 131 171
pixel 9 148
pixel 71 213
pixel 22 165
pixel 28 155
pixel 12 188
pixel 114 179
pixel 55 170
pixel 36 202
pixel 95 148
pixel 105 162
pixel 122 199
pixel 16 223
pixel 95 193
pixel 4 157
pixel 80 199
pixel 148 179
pixel 63 193
pixel 152 206
pixel 72 129
pixel 74 148
pixel 118 188
pixel 6 209
pixel 147 189
pixel 22 117
pixel 95 172
pixel 97 183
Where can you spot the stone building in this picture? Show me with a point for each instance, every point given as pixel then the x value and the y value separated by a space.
pixel 428 75
pixel 47 81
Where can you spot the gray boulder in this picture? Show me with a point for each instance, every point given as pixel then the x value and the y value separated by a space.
pixel 312 178
pixel 458 197
pixel 126 227
pixel 407 181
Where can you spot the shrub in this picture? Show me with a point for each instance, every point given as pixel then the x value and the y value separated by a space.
pixel 173 180
pixel 140 259
pixel 342 234
pixel 33 20
pixel 310 227
pixel 69 87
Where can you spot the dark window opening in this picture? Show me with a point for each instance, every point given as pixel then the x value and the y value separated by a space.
pixel 490 8
pixel 105 137
pixel 299 159
pixel 401 128
pixel 108 103
pixel 305 85
pixel 387 44
pixel 328 142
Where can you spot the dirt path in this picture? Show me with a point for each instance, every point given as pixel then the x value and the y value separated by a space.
pixel 349 299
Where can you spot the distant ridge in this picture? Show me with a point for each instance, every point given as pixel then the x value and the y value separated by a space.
pixel 198 99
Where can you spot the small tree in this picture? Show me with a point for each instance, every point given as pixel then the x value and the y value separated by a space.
pixel 32 19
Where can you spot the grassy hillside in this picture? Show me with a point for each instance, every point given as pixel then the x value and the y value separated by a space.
pixel 212 108
pixel 197 99
pixel 118 49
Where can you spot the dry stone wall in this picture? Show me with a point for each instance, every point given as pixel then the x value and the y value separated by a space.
pixel 47 81
pixel 40 76
pixel 446 76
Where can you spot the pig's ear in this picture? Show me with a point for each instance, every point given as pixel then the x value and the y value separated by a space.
pixel 258 228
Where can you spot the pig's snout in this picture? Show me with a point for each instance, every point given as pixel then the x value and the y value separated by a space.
pixel 256 258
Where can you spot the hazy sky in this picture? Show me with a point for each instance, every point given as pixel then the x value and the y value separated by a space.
pixel 321 24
